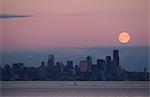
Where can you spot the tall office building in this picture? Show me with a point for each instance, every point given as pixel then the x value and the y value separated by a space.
pixel 60 68
pixel 108 65
pixel 17 68
pixel 83 66
pixel 108 59
pixel 89 60
pixel 69 65
pixel 100 64
pixel 116 57
pixel 6 74
pixel 42 71
pixel 51 63
pixel 42 63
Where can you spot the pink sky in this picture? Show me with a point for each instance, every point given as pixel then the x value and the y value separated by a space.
pixel 73 23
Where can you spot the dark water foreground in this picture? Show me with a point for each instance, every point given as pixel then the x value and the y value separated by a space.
pixel 68 89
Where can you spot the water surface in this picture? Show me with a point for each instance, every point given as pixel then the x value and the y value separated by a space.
pixel 68 89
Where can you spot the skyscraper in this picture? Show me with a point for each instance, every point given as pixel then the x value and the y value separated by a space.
pixel 42 63
pixel 108 65
pixel 17 70
pixel 108 59
pixel 69 65
pixel 42 71
pixel 83 66
pixel 100 64
pixel 60 68
pixel 89 60
pixel 51 63
pixel 116 57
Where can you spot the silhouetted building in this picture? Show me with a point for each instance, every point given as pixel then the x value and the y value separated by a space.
pixel 69 70
pixel 69 65
pixel 51 63
pixel 84 70
pixel 89 60
pixel 17 71
pixel 77 71
pixel 76 68
pixel 31 74
pixel 108 59
pixel 83 66
pixel 108 64
pixel 43 64
pixel 6 73
pixel 116 57
pixel 100 64
pixel 60 70
pixel 42 72
pixel 94 72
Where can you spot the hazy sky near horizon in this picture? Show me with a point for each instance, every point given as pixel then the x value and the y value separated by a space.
pixel 43 24
pixel 131 58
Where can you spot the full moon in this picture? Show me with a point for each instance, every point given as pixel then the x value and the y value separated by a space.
pixel 124 37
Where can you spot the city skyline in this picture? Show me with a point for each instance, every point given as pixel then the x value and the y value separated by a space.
pixel 108 69
pixel 134 62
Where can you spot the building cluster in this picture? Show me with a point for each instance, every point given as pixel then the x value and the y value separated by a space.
pixel 104 70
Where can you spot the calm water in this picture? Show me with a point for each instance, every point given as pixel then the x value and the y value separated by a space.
pixel 68 89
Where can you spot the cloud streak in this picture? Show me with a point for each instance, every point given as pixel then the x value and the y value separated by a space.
pixel 64 14
pixel 75 14
pixel 11 16
pixel 7 16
